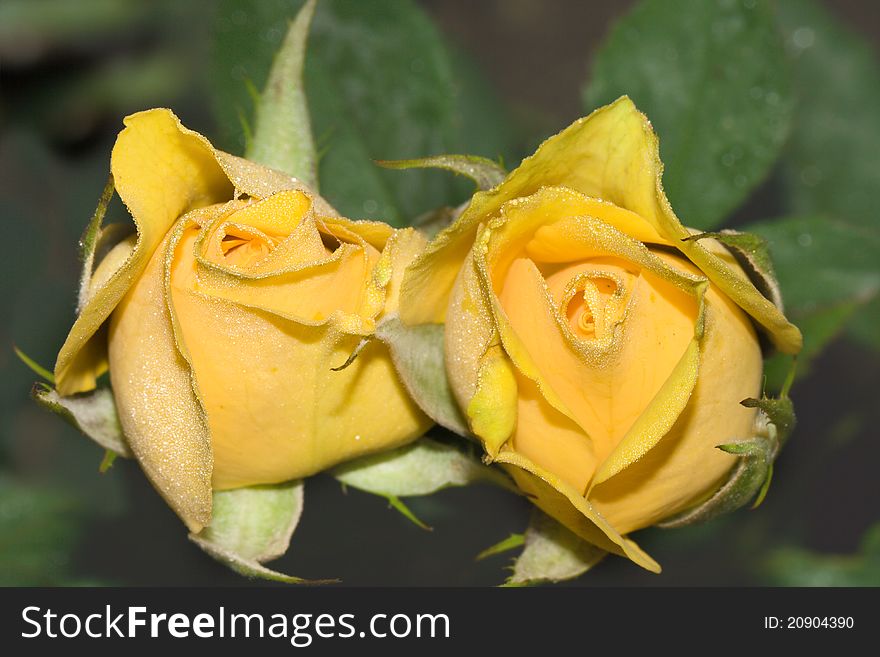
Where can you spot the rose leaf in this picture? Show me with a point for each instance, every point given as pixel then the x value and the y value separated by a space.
pixel 832 162
pixel 714 80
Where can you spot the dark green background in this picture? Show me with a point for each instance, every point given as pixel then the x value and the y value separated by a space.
pixel 65 84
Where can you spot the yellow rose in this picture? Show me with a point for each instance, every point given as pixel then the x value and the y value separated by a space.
pixel 221 319
pixel 596 354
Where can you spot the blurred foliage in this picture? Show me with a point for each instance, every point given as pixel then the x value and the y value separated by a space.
pixel 798 567
pixel 37 527
pixel 713 79
pixel 842 277
pixel 832 165
pixel 381 84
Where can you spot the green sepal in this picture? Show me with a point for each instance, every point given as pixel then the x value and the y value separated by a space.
pixel 510 543
pixel 418 356
pixel 34 366
pixel 282 137
pixel 93 413
pixel 108 460
pixel 398 505
pixel 250 526
pixel 250 568
pixel 750 478
pixel 780 413
pixel 485 173
pixel 751 250
pixel 552 553
pixel 88 244
pixel 431 223
pixel 420 468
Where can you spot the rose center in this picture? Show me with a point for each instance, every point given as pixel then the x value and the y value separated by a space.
pixel 591 298
pixel 242 247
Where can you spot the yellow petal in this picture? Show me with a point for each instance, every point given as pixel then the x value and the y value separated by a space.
pixel 468 333
pixel 565 504
pixel 602 383
pixel 547 437
pixel 400 250
pixel 161 170
pixel 294 276
pixel 613 155
pixel 685 466
pixel 160 414
pixel 276 409
pixel 492 409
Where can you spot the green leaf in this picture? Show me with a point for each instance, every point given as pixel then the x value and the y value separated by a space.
pixel 821 261
pixel 420 468
pixel 552 553
pixel 380 85
pixel 820 327
pixel 282 136
pixel 863 326
pixel 93 413
pixel 252 525
pixel 713 79
pixel 827 271
pixel 485 173
pixel 792 566
pixel 832 164
pixel 418 355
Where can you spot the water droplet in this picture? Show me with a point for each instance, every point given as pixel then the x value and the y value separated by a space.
pixel 750 4
pixel 805 239
pixel 740 180
pixel 728 122
pixel 728 159
pixel 803 38
pixel 756 92
pixel 357 437
pixel 370 206
pixel 773 98
pixel 671 54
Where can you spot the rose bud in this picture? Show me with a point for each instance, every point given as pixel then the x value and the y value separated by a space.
pixel 599 354
pixel 222 319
